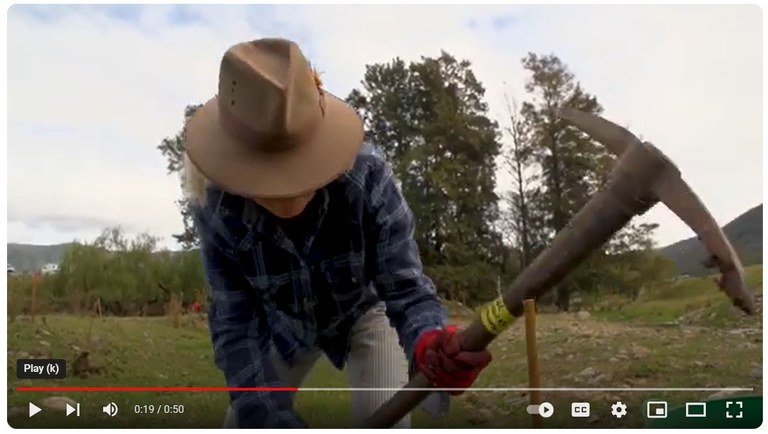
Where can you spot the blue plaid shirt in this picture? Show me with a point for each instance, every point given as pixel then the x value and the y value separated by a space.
pixel 356 248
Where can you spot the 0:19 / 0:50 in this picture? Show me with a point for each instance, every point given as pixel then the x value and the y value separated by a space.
pixel 158 409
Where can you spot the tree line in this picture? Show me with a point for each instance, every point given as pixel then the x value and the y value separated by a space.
pixel 113 275
pixel 430 120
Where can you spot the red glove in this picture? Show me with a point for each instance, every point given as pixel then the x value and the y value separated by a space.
pixel 439 357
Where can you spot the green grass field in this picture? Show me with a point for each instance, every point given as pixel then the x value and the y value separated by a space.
pixel 638 344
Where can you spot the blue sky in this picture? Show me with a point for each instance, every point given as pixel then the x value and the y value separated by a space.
pixel 94 89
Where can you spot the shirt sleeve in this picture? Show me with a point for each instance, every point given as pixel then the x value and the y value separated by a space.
pixel 410 297
pixel 241 338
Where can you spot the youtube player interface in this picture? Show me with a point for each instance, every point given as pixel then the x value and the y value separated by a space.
pixel 308 216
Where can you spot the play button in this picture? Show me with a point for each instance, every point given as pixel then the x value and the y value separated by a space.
pixel 546 409
pixel 33 409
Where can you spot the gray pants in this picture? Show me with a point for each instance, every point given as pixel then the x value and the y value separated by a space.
pixel 375 360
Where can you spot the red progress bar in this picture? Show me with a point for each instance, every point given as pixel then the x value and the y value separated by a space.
pixel 157 389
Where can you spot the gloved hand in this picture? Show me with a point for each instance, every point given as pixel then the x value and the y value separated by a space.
pixel 439 356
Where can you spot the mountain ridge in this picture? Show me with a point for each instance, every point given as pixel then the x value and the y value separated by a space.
pixel 745 233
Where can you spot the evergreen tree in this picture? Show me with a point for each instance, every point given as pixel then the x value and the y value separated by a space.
pixel 173 150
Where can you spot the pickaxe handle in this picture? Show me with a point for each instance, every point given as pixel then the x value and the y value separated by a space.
pixel 627 194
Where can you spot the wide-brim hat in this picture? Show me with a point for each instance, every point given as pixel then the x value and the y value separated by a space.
pixel 272 131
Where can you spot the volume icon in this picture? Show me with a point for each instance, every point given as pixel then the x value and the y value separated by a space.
pixel 110 409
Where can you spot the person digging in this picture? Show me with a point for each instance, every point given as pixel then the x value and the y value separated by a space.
pixel 307 246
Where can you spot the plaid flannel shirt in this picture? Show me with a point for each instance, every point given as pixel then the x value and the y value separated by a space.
pixel 267 292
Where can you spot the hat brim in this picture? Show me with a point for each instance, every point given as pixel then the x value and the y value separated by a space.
pixel 242 169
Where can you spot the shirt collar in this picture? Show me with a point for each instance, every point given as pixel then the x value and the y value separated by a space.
pixel 260 223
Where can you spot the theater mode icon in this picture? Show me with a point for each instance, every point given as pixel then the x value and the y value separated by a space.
pixel 695 409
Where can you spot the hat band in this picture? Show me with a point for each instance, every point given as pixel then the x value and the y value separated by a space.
pixel 264 142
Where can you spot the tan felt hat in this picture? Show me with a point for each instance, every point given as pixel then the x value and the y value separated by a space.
pixel 272 131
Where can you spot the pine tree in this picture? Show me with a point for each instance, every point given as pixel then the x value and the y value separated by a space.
pixel 173 150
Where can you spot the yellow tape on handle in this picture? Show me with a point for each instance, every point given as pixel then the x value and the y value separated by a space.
pixel 495 316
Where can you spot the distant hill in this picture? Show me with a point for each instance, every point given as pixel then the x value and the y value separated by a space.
pixel 28 258
pixel 745 233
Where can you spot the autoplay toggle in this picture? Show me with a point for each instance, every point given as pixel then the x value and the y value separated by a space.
pixel 545 409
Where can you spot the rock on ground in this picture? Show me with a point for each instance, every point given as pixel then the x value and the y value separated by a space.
pixel 17 411
pixel 57 402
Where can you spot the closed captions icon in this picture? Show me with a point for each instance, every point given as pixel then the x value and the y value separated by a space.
pixel 110 409
pixel 580 409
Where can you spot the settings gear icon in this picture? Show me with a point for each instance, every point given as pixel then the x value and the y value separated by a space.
pixel 619 409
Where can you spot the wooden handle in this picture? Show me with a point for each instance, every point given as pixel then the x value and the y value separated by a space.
pixel 534 378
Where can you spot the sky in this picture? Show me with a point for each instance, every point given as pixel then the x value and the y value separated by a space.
pixel 92 91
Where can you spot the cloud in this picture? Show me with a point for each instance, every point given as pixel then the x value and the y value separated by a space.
pixel 65 223
pixel 56 229
pixel 88 107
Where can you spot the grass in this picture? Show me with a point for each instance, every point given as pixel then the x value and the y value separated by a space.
pixel 697 298
pixel 606 350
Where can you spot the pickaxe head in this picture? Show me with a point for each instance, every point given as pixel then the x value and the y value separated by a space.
pixel 615 138
pixel 677 195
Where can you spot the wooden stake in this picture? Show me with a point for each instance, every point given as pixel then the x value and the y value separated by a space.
pixel 534 379
pixel 33 302
pixel 175 307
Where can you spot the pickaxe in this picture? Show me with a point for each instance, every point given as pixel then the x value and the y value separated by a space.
pixel 642 177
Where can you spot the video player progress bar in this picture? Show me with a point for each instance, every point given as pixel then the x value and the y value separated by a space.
pixel 380 389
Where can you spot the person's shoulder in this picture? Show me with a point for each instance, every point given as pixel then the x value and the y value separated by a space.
pixel 217 215
pixel 208 206
pixel 369 172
